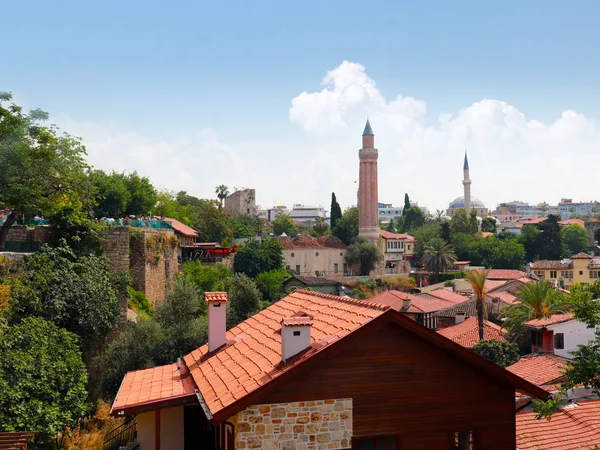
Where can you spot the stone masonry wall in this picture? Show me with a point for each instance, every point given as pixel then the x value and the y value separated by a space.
pixel 22 233
pixel 309 425
pixel 116 248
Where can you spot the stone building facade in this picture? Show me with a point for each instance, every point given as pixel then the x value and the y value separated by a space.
pixel 242 203
pixel 308 425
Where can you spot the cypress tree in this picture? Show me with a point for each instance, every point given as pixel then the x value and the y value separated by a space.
pixel 336 211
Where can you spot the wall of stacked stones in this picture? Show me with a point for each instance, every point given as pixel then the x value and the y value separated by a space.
pixel 308 425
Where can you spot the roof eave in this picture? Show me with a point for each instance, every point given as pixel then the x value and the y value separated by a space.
pixel 153 405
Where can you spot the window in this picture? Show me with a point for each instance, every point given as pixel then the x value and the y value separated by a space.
pixel 287 267
pixel 335 268
pixel 296 333
pixel 553 274
pixel 345 268
pixel 375 443
pixel 581 272
pixel 298 269
pixel 316 253
pixel 408 247
pixel 559 341
pixel 463 440
pixel 292 254
pixel 316 273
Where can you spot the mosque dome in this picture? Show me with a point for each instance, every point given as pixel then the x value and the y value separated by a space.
pixel 459 202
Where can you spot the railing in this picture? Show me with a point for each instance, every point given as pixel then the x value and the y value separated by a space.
pixel 154 224
pixel 121 436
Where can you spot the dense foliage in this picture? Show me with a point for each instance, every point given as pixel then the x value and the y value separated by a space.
pixel 283 223
pixel 336 211
pixel 501 353
pixel 42 378
pixel 363 253
pixel 72 292
pixel 270 283
pixel 438 256
pixel 346 228
pixel 257 257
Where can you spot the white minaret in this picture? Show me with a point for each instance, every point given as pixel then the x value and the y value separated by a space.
pixel 467 184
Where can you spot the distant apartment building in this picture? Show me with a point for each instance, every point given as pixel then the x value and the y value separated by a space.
pixel 270 213
pixel 387 211
pixel 539 210
pixel 569 208
pixel 304 213
pixel 580 268
pixel 242 203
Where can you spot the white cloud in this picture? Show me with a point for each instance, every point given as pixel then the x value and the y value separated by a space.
pixel 511 156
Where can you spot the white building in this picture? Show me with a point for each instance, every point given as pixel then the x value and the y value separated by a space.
pixel 305 213
pixel 582 209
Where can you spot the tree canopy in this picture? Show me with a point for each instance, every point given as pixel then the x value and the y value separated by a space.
pixel 501 353
pixel 336 211
pixel 283 223
pixel 346 228
pixel 574 238
pixel 438 256
pixel 363 253
pixel 256 257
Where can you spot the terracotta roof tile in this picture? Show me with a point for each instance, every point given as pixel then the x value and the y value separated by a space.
pixel 330 241
pixel 505 274
pixel 550 320
pixel 418 304
pixel 504 296
pixel 446 295
pixel 181 227
pixel 547 264
pixel 255 359
pixel 297 321
pixel 286 242
pixel 220 297
pixel 581 255
pixel 306 241
pixel 389 235
pixel 152 385
pixel 574 427
pixel 469 309
pixel 579 222
pixel 467 332
pixel 540 369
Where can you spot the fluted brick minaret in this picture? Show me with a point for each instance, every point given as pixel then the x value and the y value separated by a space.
pixel 466 184
pixel 368 218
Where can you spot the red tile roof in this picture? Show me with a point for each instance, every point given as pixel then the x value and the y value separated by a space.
pixel 297 321
pixel 467 332
pixel 550 320
pixel 330 241
pixel 579 222
pixel 418 304
pixel 157 384
pixel 505 274
pixel 306 241
pixel 220 297
pixel 540 369
pixel 504 297
pixel 252 357
pixel 286 242
pixel 548 264
pixel 581 255
pixel 181 227
pixel 446 295
pixel 574 427
pixel 389 235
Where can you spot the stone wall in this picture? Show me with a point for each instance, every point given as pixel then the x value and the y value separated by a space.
pixel 309 425
pixel 116 248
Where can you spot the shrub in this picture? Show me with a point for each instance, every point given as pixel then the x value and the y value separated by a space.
pixel 139 303
pixel 501 353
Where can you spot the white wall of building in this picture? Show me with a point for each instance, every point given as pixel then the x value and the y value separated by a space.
pixel 171 429
pixel 575 333
pixel 311 260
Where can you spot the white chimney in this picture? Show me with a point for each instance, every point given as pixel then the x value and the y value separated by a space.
pixel 406 303
pixel 217 323
pixel 459 317
pixel 295 335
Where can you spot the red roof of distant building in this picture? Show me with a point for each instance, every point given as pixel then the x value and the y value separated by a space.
pixel 154 385
pixel 550 320
pixel 286 242
pixel 330 241
pixel 581 255
pixel 574 427
pixel 181 227
pixel 446 295
pixel 462 263
pixel 467 332
pixel 505 274
pixel 540 369
pixel 389 235
pixel 566 222
pixel 418 304
pixel 504 297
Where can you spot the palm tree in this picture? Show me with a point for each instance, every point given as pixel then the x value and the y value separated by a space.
pixel 477 278
pixel 222 192
pixel 535 300
pixel 438 256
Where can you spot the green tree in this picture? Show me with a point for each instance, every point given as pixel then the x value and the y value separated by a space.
pixel 529 238
pixel 321 227
pixel 42 378
pixel 73 292
pixel 501 353
pixel 364 253
pixel 76 227
pixel 256 257
pixel 536 300
pixel 445 231
pixel 283 223
pixel 423 235
pixel 336 211
pixel 112 195
pixel 438 256
pixel 246 226
pixel 213 278
pixel 574 238
pixel 346 228
pixel 549 242
pixel 244 299
pixel 391 226
pixel 413 218
pixel 214 224
pixel 41 170
pixel 142 194
pixel 477 278
pixel 488 225
pixel 270 283
pixel 460 222
pixel 473 222
pixel 222 192
pixel 406 204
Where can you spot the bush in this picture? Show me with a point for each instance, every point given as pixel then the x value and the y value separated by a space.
pixel 139 303
pixel 503 354
pixel 244 299
pixel 450 276
pixel 270 283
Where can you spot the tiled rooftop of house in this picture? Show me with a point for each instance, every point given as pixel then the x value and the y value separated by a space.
pixel 153 385
pixel 579 222
pixel 467 332
pixel 574 427
pixel 315 281
pixel 505 297
pixel 252 355
pixel 540 368
pixel 550 320
pixel 304 241
pixel 581 255
pixel 389 235
pixel 446 295
pixel 505 274
pixel 469 309
pixel 418 304
pixel 220 297
pixel 549 264
pixel 181 227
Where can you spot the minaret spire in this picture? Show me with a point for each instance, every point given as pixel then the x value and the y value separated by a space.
pixel 368 218
pixel 466 184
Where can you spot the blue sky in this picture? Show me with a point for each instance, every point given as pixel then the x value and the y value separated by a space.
pixel 166 71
